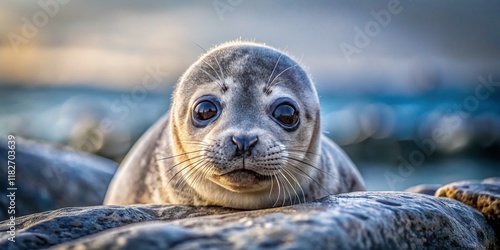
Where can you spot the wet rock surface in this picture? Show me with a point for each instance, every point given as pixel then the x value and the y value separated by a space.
pixel 369 220
pixel 49 178
pixel 481 195
pixel 428 189
pixel 46 229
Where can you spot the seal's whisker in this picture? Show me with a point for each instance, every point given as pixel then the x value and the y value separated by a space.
pixel 272 73
pixel 292 201
pixel 199 144
pixel 301 161
pixel 301 151
pixel 185 178
pixel 298 184
pixel 213 78
pixel 191 175
pixel 296 168
pixel 276 77
pixel 295 146
pixel 278 177
pixel 310 165
pixel 291 186
pixel 286 190
pixel 221 79
pixel 195 174
pixel 191 166
pixel 215 71
pixel 304 157
pixel 271 189
pixel 196 142
pixel 224 87
pixel 279 189
pixel 202 172
pixel 189 159
pixel 193 140
pixel 290 195
pixel 210 171
pixel 199 174
pixel 202 143
pixel 199 46
pixel 173 156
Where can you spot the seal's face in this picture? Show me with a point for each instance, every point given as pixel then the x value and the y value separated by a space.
pixel 252 118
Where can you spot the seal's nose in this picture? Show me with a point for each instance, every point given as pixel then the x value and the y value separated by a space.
pixel 244 144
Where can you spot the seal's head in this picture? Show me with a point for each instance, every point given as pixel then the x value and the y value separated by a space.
pixel 246 132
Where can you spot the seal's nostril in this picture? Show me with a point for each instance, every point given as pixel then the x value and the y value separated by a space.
pixel 237 142
pixel 253 141
pixel 244 143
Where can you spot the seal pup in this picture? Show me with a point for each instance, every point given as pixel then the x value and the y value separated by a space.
pixel 243 132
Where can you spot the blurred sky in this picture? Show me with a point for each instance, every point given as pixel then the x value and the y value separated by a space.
pixel 427 45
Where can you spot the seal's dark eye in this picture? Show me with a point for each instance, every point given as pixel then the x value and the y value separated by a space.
pixel 205 110
pixel 285 112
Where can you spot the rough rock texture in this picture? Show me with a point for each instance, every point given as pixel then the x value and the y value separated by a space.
pixel 481 195
pixel 492 180
pixel 428 189
pixel 48 178
pixel 50 228
pixel 373 220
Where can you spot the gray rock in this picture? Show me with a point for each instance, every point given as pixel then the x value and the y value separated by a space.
pixel 368 220
pixel 481 195
pixel 50 228
pixel 48 178
pixel 492 180
pixel 428 189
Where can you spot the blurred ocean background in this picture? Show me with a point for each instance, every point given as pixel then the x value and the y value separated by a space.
pixel 409 89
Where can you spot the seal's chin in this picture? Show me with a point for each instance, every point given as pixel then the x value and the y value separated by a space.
pixel 242 181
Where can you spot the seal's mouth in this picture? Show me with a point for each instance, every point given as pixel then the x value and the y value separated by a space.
pixel 241 180
pixel 244 175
